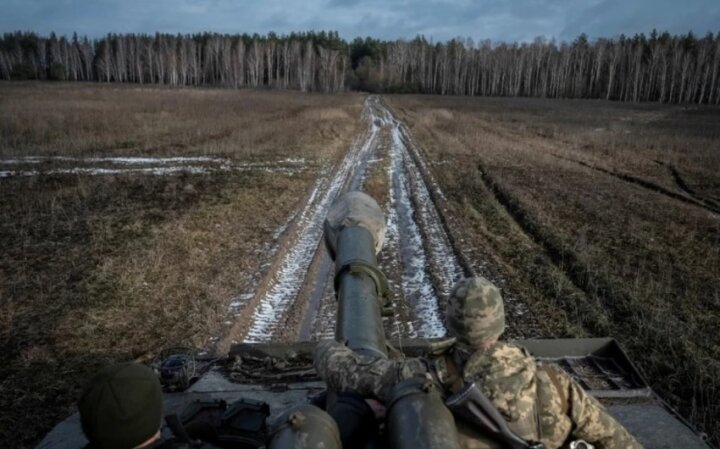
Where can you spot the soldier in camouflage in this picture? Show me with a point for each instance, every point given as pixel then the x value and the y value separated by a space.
pixel 539 401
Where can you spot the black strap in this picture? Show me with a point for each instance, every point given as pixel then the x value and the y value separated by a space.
pixel 178 430
pixel 455 378
pixel 474 407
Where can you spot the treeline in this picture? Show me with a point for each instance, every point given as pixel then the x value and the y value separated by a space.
pixel 661 67
pixel 658 67
pixel 306 61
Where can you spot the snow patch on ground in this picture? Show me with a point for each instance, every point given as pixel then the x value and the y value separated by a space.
pixel 392 249
pixel 440 248
pixel 423 164
pixel 129 160
pixel 416 284
pixel 158 171
pixel 103 166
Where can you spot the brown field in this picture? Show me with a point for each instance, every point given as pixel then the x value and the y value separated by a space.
pixel 604 217
pixel 118 267
pixel 595 218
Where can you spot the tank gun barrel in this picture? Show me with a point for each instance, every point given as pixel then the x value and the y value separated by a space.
pixel 360 287
pixel 354 233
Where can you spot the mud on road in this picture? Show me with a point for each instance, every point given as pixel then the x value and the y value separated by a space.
pixel 295 300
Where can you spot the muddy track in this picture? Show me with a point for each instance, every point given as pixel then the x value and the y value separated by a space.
pixel 429 264
pixel 686 197
pixel 295 301
pixel 682 185
pixel 592 284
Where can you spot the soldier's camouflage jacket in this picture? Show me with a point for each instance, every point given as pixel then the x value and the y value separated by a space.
pixel 539 401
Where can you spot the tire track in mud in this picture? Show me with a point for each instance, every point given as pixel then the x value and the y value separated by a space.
pixel 317 307
pixel 296 300
pixel 682 185
pixel 291 276
pixel 416 233
pixel 417 257
pixel 319 316
pixel 689 199
pixel 687 196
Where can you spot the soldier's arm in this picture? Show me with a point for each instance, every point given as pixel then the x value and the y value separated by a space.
pixel 591 420
pixel 345 370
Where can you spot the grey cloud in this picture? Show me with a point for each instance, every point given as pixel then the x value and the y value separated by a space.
pixel 389 19
pixel 613 17
pixel 343 3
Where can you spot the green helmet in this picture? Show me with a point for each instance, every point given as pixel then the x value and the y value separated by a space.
pixel 475 311
pixel 121 407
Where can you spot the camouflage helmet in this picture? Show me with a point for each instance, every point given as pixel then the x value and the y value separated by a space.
pixel 475 311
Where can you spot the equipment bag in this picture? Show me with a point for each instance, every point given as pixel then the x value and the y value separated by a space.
pixel 240 425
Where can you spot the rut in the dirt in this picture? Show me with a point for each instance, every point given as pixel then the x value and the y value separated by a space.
pixel 297 303
pixel 289 279
pixel 428 263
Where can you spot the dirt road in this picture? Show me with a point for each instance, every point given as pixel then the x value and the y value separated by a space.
pixel 296 302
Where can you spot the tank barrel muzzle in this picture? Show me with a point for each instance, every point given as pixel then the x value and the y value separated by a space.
pixel 354 209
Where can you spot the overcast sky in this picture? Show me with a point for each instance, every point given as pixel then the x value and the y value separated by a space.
pixel 506 20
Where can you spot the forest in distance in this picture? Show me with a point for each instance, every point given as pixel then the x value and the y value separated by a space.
pixel 659 67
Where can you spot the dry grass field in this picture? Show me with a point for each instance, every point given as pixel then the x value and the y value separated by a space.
pixel 118 264
pixel 603 217
pixel 134 217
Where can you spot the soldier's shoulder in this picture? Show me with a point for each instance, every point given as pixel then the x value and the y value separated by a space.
pixel 501 359
pixel 553 370
pixel 508 351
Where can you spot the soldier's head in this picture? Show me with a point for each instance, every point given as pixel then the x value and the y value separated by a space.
pixel 121 407
pixel 475 314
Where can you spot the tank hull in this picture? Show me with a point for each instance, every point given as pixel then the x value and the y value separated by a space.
pixel 292 382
